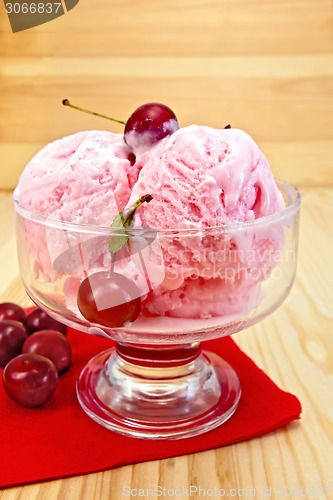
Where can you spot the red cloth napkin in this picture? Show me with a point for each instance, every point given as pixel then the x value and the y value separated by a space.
pixel 60 440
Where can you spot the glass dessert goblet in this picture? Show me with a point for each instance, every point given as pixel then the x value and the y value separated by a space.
pixel 191 285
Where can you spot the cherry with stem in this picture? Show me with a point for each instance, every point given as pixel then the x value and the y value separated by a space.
pixel 146 126
pixel 110 298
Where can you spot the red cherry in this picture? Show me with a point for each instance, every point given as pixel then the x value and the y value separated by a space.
pixel 12 337
pixel 52 345
pixel 40 320
pixel 147 125
pixel 109 301
pixel 9 310
pixel 30 380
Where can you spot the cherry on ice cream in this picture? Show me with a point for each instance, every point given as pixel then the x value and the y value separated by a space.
pixel 148 125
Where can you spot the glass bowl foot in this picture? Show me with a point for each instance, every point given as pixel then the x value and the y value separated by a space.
pixel 166 392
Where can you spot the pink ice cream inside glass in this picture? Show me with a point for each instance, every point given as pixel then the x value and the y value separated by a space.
pixel 206 178
pixel 200 178
pixel 83 178
pixel 203 177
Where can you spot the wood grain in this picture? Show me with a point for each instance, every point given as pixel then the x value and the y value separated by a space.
pixel 264 66
pixel 167 27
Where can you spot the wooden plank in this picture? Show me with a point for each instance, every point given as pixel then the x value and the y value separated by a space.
pixel 271 109
pixel 303 163
pixel 169 27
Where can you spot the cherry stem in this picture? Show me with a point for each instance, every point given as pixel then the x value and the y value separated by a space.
pixel 114 256
pixel 67 103
pixel 127 214
pixel 126 217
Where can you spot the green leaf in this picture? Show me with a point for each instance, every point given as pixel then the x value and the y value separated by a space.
pixel 116 243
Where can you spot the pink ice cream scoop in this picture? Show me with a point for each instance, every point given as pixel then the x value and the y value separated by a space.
pixel 203 177
pixel 83 178
pixel 206 178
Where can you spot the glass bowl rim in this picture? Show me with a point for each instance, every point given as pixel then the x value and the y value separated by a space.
pixel 286 212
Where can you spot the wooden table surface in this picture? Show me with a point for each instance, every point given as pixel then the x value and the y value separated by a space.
pixel 262 65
